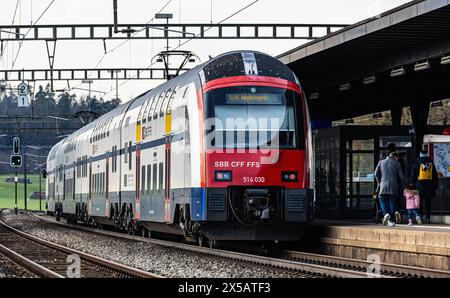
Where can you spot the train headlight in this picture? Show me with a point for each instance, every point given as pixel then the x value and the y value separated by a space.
pixel 289 176
pixel 223 176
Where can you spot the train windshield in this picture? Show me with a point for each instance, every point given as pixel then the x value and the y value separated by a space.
pixel 254 117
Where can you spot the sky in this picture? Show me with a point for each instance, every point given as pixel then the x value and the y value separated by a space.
pixel 137 53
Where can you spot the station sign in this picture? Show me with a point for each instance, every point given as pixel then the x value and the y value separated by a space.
pixel 23 88
pixel 15 161
pixel 23 101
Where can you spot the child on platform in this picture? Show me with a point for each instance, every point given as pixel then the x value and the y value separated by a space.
pixel 412 204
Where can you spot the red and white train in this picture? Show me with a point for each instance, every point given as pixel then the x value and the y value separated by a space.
pixel 221 152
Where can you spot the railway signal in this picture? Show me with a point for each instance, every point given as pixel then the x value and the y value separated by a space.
pixel 16 145
pixel 16 161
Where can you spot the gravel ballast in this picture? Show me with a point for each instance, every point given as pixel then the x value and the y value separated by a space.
pixel 164 261
pixel 9 269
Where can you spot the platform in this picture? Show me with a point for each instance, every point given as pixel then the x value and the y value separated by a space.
pixel 418 245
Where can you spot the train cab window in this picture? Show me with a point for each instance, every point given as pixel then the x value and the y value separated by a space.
pixel 255 117
pixel 149 173
pixel 127 122
pixel 155 174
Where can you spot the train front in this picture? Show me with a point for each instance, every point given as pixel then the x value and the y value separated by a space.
pixel 258 150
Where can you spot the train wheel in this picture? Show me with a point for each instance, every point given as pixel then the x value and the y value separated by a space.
pixel 201 240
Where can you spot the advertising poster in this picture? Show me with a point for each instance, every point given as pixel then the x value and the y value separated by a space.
pixel 442 159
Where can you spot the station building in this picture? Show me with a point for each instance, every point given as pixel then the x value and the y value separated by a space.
pixel 381 80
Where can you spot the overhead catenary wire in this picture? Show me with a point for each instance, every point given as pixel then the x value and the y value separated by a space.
pixel 125 41
pixel 31 27
pixel 190 39
pixel 12 23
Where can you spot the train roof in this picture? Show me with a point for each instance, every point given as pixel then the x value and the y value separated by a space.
pixel 234 63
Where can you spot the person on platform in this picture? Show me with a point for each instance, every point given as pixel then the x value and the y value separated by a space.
pixel 389 175
pixel 412 204
pixel 398 218
pixel 424 176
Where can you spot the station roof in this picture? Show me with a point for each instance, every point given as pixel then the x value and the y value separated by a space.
pixel 416 32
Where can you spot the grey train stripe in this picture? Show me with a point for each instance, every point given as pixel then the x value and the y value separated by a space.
pixel 151 144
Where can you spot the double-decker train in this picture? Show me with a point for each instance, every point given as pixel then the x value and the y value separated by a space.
pixel 221 152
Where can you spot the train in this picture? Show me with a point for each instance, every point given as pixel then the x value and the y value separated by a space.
pixel 220 152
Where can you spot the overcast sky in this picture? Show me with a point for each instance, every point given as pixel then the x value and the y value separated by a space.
pixel 86 54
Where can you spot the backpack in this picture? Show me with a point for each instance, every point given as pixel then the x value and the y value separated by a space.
pixel 426 171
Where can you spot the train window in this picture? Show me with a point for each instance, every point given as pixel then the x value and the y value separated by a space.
pixel 125 180
pixel 149 173
pixel 161 176
pixel 126 153
pixel 129 156
pixel 151 102
pixel 145 110
pixel 168 101
pixel 185 91
pixel 115 158
pixel 143 180
pixel 155 176
pixel 157 104
pixel 127 122
pixel 152 107
pixel 264 117
pixel 93 184
pixel 103 183
pixel 164 103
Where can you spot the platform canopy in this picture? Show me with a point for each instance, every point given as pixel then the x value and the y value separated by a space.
pixel 396 59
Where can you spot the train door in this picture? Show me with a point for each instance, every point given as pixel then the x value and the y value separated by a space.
pixel 107 204
pixel 167 207
pixel 137 182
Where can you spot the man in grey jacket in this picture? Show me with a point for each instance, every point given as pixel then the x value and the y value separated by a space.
pixel 390 177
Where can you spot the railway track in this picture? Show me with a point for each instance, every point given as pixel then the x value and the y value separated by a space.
pixel 296 268
pixel 303 264
pixel 50 260
pixel 386 270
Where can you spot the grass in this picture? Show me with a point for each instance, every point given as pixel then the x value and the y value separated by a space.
pixel 7 193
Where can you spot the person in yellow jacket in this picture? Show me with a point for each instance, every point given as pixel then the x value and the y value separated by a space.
pixel 424 176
